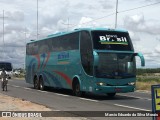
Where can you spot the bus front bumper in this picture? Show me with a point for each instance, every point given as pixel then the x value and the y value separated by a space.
pixel 114 89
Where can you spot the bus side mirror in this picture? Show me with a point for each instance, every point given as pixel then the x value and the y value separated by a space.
pixel 141 57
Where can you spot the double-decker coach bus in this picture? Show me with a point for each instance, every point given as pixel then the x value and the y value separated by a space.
pixel 95 60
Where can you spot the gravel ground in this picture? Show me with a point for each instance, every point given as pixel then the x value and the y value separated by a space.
pixel 8 103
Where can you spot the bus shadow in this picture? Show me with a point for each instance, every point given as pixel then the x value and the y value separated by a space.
pixel 105 97
pixel 88 95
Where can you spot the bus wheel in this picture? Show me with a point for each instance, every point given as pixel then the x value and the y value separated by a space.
pixel 36 83
pixel 111 94
pixel 41 83
pixel 76 89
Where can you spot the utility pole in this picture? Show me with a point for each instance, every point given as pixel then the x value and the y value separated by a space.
pixel 3 30
pixel 68 25
pixel 37 20
pixel 25 35
pixel 3 38
pixel 116 14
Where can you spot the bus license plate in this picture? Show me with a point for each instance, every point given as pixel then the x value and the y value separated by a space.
pixel 118 89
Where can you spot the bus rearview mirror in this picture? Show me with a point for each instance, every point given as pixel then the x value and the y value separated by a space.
pixel 141 58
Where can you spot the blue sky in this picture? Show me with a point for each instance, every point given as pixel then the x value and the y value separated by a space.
pixel 20 23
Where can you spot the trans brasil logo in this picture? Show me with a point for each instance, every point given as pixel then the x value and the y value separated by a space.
pixel 113 39
pixel 63 58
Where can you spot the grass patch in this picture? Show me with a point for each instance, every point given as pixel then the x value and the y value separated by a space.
pixel 148 79
pixel 145 82
pixel 145 85
pixel 19 77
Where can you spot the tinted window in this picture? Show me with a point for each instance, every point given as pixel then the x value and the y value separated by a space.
pixel 61 43
pixel 111 40
pixel 32 48
pixel 66 42
pixel 27 49
pixel 44 46
pixel 56 44
pixel 86 52
pixel 115 65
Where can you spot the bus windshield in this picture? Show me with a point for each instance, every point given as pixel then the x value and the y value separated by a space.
pixel 111 40
pixel 115 65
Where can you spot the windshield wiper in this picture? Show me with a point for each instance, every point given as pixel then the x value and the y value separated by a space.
pixel 104 75
pixel 113 76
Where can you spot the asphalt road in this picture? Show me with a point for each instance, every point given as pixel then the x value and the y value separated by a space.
pixel 63 100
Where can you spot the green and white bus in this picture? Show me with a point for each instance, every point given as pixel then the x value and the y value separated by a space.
pixel 96 60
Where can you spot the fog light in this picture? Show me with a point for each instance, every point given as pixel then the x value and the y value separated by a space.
pixel 101 84
pixel 131 83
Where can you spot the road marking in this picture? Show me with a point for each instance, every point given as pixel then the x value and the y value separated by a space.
pixel 27 88
pixel 143 91
pixel 131 107
pixel 79 98
pixel 62 95
pixel 20 87
pixel 135 97
pixel 10 80
pixel 36 90
pixel 56 110
pixel 42 91
pixel 15 86
pixel 89 99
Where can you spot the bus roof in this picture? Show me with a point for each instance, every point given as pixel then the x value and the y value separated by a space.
pixel 78 30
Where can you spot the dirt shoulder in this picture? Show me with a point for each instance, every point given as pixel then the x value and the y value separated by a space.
pixel 8 103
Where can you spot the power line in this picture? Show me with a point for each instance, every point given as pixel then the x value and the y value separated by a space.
pixel 103 16
pixel 139 7
pixel 118 12
pixel 93 20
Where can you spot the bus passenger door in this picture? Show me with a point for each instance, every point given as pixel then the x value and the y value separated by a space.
pixel 86 52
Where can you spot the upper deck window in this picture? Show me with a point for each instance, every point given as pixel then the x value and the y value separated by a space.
pixel 111 40
pixel 54 44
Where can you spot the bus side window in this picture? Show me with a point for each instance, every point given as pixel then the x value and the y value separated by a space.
pixel 45 46
pixel 33 49
pixel 27 50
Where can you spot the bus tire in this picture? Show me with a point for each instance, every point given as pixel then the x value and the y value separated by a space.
pixel 36 83
pixel 76 88
pixel 41 83
pixel 111 94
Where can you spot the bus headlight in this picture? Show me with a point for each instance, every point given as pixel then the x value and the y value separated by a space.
pixel 131 83
pixel 101 84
